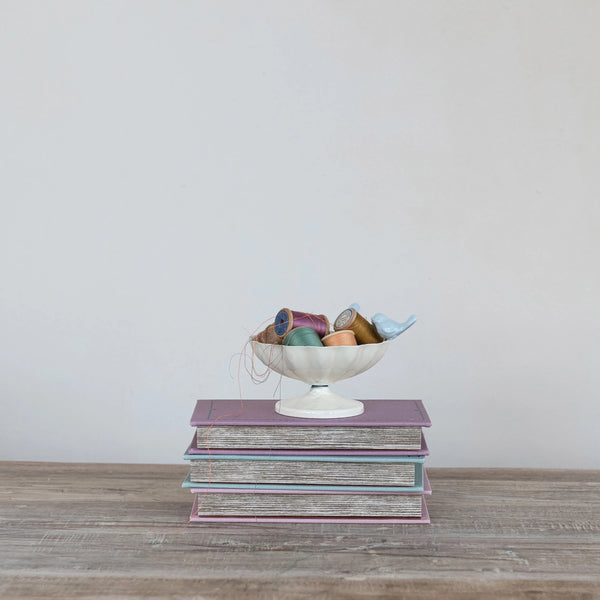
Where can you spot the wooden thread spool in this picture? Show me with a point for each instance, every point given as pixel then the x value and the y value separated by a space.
pixel 365 332
pixel 343 337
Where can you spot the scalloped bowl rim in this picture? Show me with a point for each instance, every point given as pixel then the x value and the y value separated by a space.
pixel 300 363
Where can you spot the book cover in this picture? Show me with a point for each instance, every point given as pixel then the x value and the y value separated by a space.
pixel 378 413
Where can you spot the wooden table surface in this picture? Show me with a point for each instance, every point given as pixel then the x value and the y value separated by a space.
pixel 110 531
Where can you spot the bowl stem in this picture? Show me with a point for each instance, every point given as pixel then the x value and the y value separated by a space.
pixel 320 403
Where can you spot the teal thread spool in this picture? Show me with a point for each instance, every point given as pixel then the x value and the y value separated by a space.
pixel 302 336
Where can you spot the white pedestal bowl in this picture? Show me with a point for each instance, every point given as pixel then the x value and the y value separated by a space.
pixel 319 366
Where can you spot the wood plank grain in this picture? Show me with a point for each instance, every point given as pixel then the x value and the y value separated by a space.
pixel 294 588
pixel 73 530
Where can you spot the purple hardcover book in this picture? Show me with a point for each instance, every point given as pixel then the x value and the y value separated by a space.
pixel 192 449
pixel 378 413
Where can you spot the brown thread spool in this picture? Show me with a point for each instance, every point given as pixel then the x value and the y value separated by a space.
pixel 268 336
pixel 365 332
pixel 343 337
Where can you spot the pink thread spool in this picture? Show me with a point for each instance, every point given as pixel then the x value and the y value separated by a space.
pixel 344 337
pixel 287 319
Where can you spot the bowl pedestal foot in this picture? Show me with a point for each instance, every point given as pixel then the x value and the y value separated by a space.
pixel 320 403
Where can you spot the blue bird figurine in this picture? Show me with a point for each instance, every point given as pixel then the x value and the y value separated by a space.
pixel 389 329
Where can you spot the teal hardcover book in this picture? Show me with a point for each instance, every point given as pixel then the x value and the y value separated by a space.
pixel 417 487
pixel 331 471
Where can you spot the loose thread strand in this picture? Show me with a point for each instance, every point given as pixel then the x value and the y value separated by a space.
pixel 256 379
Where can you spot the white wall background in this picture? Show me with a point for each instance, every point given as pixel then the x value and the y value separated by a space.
pixel 172 173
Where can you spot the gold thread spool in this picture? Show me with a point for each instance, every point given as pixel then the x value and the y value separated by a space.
pixel 365 332
pixel 343 337
pixel 268 336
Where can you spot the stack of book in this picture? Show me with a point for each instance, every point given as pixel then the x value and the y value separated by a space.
pixel 249 463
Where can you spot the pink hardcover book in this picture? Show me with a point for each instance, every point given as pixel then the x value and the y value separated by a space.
pixel 378 413
pixel 424 518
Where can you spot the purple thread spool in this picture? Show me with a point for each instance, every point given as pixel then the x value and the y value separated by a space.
pixel 287 319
